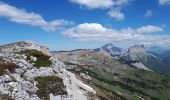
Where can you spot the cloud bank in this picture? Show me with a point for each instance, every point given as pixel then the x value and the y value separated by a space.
pixel 30 18
pixel 97 32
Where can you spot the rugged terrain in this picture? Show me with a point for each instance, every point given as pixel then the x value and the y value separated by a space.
pixel 28 71
pixel 114 79
pixel 139 56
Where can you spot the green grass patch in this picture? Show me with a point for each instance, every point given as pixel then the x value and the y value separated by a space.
pixel 50 84
pixel 42 59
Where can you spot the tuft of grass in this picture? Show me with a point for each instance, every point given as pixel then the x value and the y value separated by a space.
pixel 42 59
pixel 50 84
pixel 5 97
pixel 10 66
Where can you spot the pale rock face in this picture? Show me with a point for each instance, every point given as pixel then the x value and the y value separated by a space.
pixel 140 65
pixel 135 53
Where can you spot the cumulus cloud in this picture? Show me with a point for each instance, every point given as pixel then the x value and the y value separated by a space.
pixel 92 4
pixel 105 4
pixel 97 32
pixel 102 4
pixel 115 13
pixel 148 13
pixel 164 2
pixel 34 19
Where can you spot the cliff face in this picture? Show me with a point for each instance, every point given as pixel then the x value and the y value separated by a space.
pixel 29 72
pixel 135 53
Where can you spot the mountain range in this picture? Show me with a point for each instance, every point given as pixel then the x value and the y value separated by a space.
pixel 140 54
pixel 118 75
pixel 29 71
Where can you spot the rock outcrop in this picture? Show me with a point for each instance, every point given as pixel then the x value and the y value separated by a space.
pixel 18 81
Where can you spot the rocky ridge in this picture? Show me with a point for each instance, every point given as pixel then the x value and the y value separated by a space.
pixel 21 84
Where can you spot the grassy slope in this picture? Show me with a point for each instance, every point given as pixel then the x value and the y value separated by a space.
pixel 156 64
pixel 120 79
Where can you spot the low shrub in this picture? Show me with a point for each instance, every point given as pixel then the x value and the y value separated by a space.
pixel 5 97
pixel 50 84
pixel 10 66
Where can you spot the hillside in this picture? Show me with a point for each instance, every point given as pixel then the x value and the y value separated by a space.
pixel 114 79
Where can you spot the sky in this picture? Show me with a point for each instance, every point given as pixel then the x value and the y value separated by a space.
pixel 82 24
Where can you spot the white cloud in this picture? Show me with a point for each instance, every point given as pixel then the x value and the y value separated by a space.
pixel 22 16
pixel 91 4
pixel 115 13
pixel 97 32
pixel 120 2
pixel 148 13
pixel 164 2
pixel 94 4
pixel 149 29
pixel 105 4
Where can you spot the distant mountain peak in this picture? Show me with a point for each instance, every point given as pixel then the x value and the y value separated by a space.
pixel 135 53
pixel 137 49
pixel 110 49
pixel 108 45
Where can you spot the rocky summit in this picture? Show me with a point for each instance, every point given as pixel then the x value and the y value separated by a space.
pixel 110 49
pixel 29 71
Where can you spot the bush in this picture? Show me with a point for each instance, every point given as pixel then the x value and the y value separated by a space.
pixel 5 97
pixel 50 84
pixel 42 59
pixel 10 66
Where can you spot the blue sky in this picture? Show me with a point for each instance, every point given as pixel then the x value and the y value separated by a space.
pixel 73 24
